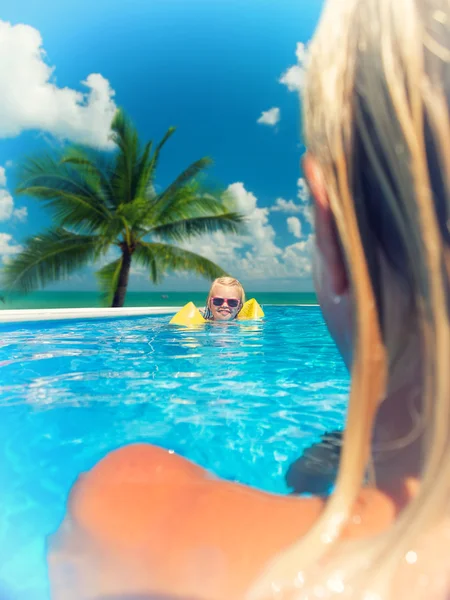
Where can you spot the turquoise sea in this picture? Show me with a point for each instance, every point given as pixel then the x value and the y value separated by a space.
pixel 93 299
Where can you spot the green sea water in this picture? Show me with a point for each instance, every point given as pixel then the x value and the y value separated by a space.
pixel 93 299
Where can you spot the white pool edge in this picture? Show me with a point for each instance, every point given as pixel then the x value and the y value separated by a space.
pixel 57 314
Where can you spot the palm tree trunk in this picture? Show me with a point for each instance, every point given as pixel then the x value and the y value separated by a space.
pixel 122 284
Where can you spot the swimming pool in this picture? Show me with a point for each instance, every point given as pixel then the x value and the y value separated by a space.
pixel 241 399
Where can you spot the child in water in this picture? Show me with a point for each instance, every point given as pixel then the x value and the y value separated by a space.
pixel 225 299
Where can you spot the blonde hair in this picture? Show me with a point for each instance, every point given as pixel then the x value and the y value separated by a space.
pixel 376 113
pixel 230 281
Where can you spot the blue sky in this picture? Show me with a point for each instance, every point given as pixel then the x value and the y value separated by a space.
pixel 213 68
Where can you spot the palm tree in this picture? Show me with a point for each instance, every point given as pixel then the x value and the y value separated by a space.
pixel 108 200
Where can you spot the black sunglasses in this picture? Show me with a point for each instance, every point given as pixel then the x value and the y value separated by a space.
pixel 232 302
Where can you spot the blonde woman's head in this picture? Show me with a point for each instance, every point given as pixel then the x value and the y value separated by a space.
pixel 225 299
pixel 376 113
pixel 376 107
pixel 377 125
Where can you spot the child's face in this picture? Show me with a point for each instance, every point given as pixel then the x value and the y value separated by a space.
pixel 222 296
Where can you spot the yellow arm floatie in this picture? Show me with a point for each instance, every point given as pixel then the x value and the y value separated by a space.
pixel 251 310
pixel 190 315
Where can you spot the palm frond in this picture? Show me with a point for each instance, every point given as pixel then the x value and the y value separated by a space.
pixel 75 200
pixel 134 212
pixel 185 229
pixel 123 132
pixel 189 202
pixel 108 278
pixel 125 136
pixel 143 173
pixel 186 176
pixel 93 165
pixel 49 257
pixel 135 170
pixel 183 189
pixel 144 256
pixel 153 162
pixel 169 133
pixel 163 258
pixel 114 230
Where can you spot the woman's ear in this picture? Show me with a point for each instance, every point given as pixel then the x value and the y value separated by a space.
pixel 327 238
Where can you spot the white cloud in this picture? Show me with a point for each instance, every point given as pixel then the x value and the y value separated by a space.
pixel 294 77
pixel 8 246
pixel 270 117
pixel 6 205
pixel 303 208
pixel 286 206
pixel 30 98
pixel 297 257
pixel 20 214
pixel 260 234
pixel 294 226
pixel 254 255
pixel 245 202
pixel 305 199
pixel 7 209
pixel 303 191
pixel 301 52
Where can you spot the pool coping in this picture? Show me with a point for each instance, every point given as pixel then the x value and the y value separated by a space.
pixel 23 315
pixel 57 314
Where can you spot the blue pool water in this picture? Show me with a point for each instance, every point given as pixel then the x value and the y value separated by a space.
pixel 241 399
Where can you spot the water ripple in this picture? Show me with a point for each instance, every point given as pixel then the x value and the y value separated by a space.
pixel 241 399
